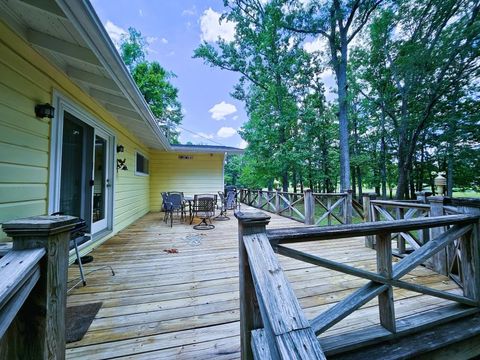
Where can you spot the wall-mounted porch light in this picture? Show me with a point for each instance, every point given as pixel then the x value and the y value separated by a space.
pixel 44 111
pixel 120 148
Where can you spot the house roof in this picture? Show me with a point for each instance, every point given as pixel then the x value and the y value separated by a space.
pixel 71 36
pixel 206 149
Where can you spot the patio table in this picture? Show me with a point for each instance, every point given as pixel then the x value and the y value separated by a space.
pixel 189 199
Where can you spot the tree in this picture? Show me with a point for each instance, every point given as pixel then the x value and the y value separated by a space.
pixel 422 58
pixel 154 83
pixel 338 22
pixel 267 62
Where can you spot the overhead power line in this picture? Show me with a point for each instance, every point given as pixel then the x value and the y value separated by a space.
pixel 200 135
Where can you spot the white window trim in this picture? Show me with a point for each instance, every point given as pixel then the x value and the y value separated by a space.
pixel 138 173
pixel 63 103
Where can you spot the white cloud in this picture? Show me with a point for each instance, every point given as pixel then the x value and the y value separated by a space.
pixel 212 29
pixel 235 117
pixel 140 11
pixel 226 132
pixel 203 135
pixel 190 12
pixel 243 144
pixel 116 32
pixel 220 110
pixel 152 39
pixel 316 45
pixel 164 41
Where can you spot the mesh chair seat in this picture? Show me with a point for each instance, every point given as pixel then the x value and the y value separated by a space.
pixel 204 208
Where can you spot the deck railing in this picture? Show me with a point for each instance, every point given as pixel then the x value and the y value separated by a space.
pixel 33 288
pixel 446 262
pixel 307 207
pixel 272 322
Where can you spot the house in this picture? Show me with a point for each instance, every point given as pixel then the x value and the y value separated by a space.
pixel 102 156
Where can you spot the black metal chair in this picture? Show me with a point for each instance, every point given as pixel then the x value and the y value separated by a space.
pixel 223 208
pixel 204 208
pixel 175 198
pixel 167 207
pixel 231 201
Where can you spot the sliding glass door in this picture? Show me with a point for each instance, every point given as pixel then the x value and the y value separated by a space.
pixel 86 173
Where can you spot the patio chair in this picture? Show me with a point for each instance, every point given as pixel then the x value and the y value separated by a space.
pixel 204 208
pixel 231 201
pixel 167 207
pixel 175 198
pixel 173 202
pixel 223 208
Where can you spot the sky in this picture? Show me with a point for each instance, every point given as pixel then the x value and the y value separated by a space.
pixel 173 30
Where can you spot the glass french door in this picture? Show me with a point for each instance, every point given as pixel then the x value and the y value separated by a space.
pixel 101 182
pixel 86 172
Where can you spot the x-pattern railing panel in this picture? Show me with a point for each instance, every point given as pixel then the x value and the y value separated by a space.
pixel 329 208
pixel 386 277
pixel 289 205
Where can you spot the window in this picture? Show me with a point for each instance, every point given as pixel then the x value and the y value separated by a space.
pixel 141 164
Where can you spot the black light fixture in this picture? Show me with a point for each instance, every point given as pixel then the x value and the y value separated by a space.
pixel 44 111
pixel 120 148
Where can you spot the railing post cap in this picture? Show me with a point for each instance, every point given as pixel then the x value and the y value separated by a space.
pixel 251 217
pixel 43 225
pixel 307 190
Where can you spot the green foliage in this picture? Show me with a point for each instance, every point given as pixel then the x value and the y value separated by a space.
pixel 412 102
pixel 154 83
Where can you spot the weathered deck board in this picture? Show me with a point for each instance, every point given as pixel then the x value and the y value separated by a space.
pixel 185 305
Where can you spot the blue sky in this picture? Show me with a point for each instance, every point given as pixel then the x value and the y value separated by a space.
pixel 174 29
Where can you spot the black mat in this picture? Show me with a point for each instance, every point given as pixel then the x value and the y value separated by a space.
pixel 78 320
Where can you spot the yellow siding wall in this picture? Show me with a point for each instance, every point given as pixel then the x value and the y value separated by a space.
pixel 203 174
pixel 27 79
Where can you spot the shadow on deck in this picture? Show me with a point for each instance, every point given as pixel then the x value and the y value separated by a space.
pixel 185 305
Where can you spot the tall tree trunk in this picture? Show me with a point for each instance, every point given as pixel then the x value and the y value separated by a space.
pixel 360 185
pixel 301 182
pixel 294 180
pixel 341 75
pixel 354 182
pixel 383 157
pixel 450 174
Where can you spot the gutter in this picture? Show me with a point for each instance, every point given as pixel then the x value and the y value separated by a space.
pixel 85 20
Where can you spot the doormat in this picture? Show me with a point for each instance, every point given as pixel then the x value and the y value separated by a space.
pixel 78 320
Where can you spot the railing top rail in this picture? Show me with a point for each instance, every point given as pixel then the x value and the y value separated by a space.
pixel 470 202
pixel 331 194
pixel 15 268
pixel 290 235
pixel 400 204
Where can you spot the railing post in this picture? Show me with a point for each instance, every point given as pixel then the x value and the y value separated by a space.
pixel 438 262
pixel 250 318
pixel 259 199
pixel 470 263
pixel 249 197
pixel 384 268
pixel 423 234
pixel 40 332
pixel 277 202
pixel 309 203
pixel 367 211
pixel 348 207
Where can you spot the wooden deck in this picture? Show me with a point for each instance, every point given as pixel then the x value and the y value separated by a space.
pixel 184 305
